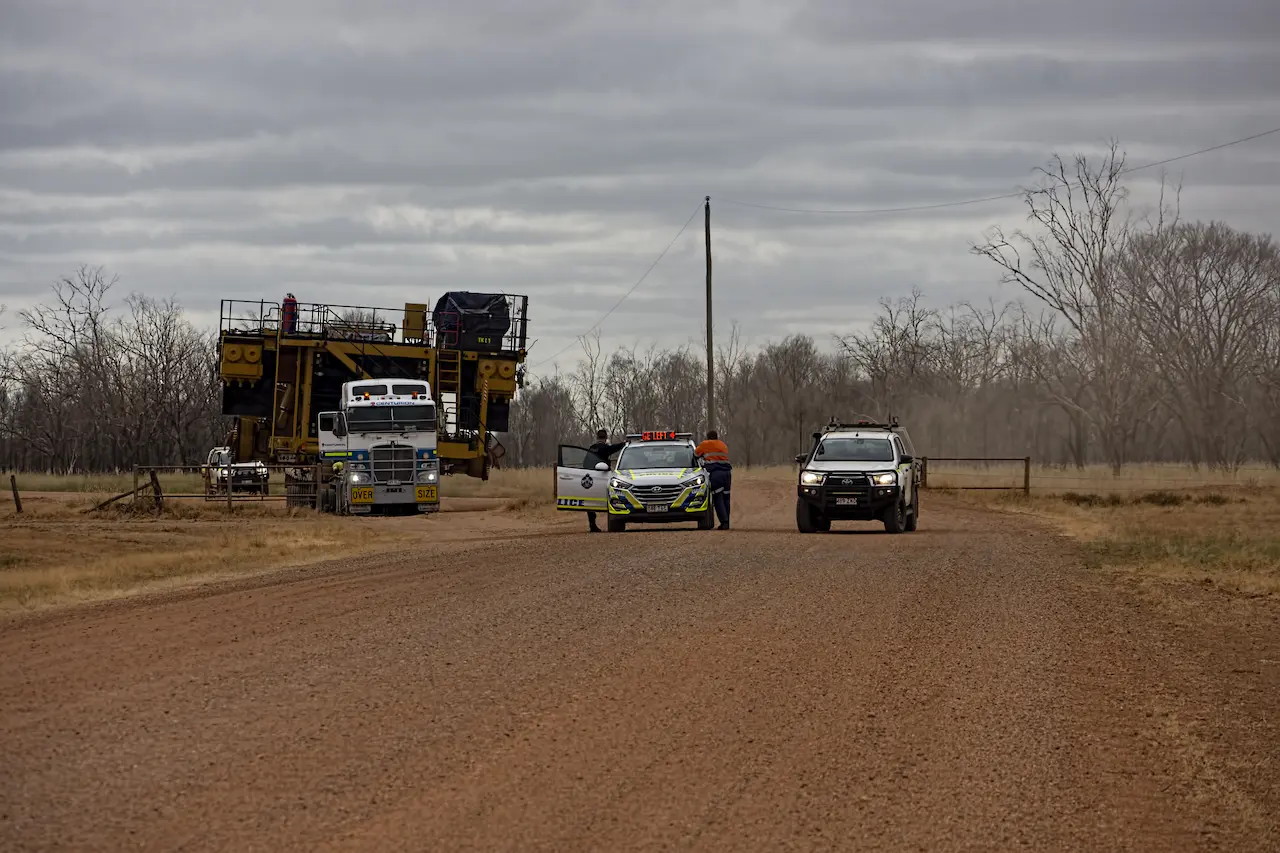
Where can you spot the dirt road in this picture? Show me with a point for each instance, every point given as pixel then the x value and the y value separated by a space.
pixel 967 687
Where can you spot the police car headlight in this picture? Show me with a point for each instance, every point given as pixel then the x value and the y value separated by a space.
pixel 884 479
pixel 615 483
pixel 428 476
pixel 812 478
pixel 358 477
pixel 695 482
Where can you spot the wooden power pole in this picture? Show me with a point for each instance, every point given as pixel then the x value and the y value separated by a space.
pixel 711 362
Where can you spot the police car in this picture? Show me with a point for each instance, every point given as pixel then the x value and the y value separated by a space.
pixel 862 471
pixel 656 480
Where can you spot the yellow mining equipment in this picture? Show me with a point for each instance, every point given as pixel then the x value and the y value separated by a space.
pixel 283 363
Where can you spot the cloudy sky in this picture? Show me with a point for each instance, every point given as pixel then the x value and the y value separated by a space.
pixel 381 151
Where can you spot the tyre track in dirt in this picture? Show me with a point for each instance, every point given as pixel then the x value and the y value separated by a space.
pixel 965 687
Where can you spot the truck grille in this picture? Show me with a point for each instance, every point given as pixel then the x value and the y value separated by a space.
pixel 392 463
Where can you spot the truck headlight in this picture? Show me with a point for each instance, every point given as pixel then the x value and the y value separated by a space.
pixel 358 477
pixel 812 478
pixel 428 476
pixel 884 479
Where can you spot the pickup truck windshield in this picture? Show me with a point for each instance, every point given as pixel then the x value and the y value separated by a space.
pixel 641 456
pixel 854 450
pixel 392 418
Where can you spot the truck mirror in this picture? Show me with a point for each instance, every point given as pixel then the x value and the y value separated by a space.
pixel 906 458
pixel 340 426
pixel 800 457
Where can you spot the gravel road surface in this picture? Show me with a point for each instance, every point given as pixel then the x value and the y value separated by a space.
pixel 967 687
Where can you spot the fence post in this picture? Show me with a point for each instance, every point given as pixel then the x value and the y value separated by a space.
pixel 924 472
pixel 157 491
pixel 316 487
pixel 1026 476
pixel 134 500
pixel 229 507
pixel 17 499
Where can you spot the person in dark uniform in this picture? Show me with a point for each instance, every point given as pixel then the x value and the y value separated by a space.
pixel 603 449
pixel 715 453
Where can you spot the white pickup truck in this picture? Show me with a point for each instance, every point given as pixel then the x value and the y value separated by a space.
pixel 243 476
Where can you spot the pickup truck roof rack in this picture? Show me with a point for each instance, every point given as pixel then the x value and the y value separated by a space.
pixel 861 423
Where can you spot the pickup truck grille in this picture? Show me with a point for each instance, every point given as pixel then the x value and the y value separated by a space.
pixel 392 463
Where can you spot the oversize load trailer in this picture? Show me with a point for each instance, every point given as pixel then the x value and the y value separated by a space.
pixel 281 368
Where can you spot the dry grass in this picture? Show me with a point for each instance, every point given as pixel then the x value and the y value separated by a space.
pixel 1096 479
pixel 1216 533
pixel 56 552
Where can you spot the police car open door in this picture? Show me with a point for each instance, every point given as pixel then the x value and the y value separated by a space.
pixel 580 484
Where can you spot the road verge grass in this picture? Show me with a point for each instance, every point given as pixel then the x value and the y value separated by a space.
pixel 56 552
pixel 1224 537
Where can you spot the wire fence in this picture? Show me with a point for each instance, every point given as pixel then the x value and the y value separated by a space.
pixel 296 485
pixel 1024 475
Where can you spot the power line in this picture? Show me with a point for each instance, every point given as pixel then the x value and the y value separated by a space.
pixel 639 281
pixel 984 199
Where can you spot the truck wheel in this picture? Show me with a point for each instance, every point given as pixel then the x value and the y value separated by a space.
pixel 805 521
pixel 913 517
pixel 616 524
pixel 895 518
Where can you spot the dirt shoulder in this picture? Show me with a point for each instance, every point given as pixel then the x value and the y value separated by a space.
pixel 970 686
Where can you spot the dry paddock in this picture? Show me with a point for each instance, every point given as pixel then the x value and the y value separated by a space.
pixel 501 680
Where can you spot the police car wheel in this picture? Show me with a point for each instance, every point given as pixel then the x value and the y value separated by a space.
pixel 707 520
pixel 615 525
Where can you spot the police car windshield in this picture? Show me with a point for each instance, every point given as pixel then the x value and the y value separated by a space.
pixel 656 456
pixel 854 450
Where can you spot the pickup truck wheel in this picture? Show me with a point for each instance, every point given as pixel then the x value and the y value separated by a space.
pixel 913 516
pixel 895 518
pixel 805 521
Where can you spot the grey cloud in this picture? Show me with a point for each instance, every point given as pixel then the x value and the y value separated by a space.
pixel 255 140
pixel 912 20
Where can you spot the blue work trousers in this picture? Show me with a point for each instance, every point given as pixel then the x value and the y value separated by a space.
pixel 721 475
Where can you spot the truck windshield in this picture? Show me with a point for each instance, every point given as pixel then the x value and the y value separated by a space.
pixel 854 450
pixel 639 456
pixel 392 418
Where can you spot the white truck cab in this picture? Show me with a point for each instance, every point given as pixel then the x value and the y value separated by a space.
pixel 657 479
pixel 385 435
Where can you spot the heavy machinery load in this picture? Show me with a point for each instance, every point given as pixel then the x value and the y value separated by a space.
pixel 280 370
pixel 472 321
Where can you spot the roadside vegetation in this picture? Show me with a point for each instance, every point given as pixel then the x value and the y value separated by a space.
pixel 1171 523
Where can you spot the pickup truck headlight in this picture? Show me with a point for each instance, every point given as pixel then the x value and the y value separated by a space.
pixel 812 478
pixel 886 479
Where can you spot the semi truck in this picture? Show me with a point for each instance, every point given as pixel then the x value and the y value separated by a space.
pixel 384 436
pixel 282 366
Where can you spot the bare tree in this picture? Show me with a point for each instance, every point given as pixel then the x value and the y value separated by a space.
pixel 1071 265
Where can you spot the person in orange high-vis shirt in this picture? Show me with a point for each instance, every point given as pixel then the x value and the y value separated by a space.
pixel 715 453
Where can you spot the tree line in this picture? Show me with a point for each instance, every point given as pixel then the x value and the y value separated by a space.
pixel 1140 338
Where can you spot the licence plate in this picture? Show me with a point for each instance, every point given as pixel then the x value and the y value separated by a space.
pixel 425 494
pixel 846 501
pixel 656 508
pixel 362 495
